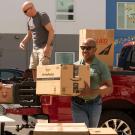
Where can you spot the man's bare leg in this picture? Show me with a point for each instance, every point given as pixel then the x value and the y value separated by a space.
pixel 34 72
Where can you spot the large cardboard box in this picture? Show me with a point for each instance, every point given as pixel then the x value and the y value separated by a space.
pixel 105 43
pixel 6 93
pixel 61 129
pixel 102 131
pixel 62 79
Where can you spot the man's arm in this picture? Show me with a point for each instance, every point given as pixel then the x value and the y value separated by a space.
pixel 50 29
pixel 25 40
pixel 48 48
pixel 105 89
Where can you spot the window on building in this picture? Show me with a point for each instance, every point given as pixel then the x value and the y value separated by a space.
pixel 65 10
pixel 64 57
pixel 126 15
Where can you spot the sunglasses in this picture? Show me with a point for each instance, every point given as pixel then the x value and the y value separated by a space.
pixel 88 48
pixel 25 11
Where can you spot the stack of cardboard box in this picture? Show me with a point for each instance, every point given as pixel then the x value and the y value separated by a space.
pixel 70 129
pixel 62 79
pixel 61 129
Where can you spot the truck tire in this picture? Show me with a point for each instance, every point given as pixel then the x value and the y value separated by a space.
pixel 119 121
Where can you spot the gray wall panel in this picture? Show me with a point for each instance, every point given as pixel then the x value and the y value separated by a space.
pixel 11 56
pixel 66 43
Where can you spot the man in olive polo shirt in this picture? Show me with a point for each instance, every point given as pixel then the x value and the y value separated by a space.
pixel 87 106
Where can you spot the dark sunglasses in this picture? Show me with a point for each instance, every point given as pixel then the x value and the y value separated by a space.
pixel 25 11
pixel 88 48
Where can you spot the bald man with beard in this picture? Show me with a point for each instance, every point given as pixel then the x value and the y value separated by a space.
pixel 87 106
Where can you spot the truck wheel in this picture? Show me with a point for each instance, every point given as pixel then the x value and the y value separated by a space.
pixel 119 121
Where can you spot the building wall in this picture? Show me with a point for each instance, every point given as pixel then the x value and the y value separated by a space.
pixel 11 56
pixel 121 35
pixel 88 14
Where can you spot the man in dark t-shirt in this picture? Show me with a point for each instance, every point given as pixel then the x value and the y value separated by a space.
pixel 41 31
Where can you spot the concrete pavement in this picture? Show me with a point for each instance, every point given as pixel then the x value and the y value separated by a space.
pixel 11 127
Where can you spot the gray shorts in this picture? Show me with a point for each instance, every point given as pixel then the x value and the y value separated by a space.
pixel 37 58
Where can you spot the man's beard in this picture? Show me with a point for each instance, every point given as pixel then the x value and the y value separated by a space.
pixel 88 59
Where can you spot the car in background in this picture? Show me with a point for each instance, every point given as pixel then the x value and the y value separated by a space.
pixel 127 56
pixel 9 75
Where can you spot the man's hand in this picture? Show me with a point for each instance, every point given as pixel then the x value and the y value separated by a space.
pixel 22 46
pixel 87 91
pixel 47 51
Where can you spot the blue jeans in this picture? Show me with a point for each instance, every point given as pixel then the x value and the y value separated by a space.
pixel 88 113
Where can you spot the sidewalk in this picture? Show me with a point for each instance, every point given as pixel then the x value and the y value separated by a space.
pixel 11 127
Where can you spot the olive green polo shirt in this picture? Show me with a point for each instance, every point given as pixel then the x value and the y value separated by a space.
pixel 99 72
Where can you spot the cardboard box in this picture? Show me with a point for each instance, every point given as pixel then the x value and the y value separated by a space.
pixel 61 129
pixel 102 131
pixel 62 79
pixel 105 43
pixel 6 93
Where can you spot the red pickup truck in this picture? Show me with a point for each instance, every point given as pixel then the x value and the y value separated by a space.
pixel 118 108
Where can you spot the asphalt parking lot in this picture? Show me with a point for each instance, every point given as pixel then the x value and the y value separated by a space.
pixel 11 127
